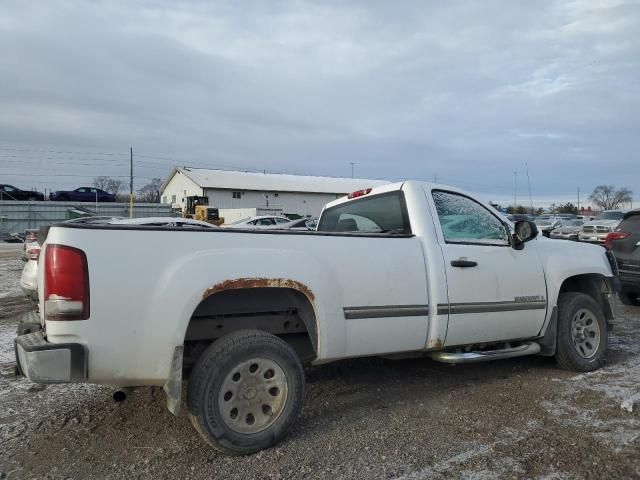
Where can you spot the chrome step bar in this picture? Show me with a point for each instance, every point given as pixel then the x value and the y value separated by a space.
pixel 528 348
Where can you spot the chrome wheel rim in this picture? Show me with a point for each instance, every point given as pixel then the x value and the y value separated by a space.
pixel 253 395
pixel 585 333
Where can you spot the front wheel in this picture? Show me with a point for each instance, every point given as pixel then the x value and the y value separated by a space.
pixel 582 333
pixel 245 392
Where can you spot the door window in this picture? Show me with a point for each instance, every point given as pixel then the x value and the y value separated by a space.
pixel 464 220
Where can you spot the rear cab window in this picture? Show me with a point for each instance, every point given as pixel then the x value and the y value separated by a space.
pixel 381 213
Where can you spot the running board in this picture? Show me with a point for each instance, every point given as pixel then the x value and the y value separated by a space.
pixel 529 348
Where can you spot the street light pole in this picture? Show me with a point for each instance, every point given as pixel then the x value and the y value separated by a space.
pixel 131 186
pixel 515 190
pixel 352 164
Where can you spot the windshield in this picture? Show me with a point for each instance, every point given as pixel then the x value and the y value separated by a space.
pixel 574 223
pixel 610 216
pixel 543 221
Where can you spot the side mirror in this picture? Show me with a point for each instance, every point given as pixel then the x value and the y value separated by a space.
pixel 523 231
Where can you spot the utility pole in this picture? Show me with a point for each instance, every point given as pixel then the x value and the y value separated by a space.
pixel 515 190
pixel 131 186
pixel 526 166
pixel 352 164
pixel 578 198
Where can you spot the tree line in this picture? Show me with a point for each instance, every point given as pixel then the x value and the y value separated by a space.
pixel 149 193
pixel 603 197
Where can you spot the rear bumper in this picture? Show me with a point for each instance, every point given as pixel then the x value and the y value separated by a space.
pixel 45 362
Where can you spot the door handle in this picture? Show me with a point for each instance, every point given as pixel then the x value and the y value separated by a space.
pixel 463 263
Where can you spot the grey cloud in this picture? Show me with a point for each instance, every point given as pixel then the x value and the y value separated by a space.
pixel 465 91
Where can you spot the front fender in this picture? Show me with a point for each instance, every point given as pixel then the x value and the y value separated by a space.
pixel 562 259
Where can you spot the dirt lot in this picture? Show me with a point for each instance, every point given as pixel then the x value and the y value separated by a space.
pixel 371 418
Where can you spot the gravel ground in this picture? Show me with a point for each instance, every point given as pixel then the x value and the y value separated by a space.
pixel 367 418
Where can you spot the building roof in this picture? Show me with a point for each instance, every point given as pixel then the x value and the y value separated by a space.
pixel 272 182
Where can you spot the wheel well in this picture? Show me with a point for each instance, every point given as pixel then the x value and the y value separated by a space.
pixel 285 312
pixel 591 284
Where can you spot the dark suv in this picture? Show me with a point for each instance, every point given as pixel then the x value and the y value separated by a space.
pixel 624 242
pixel 9 192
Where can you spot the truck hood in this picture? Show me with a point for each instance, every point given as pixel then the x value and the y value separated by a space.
pixel 564 259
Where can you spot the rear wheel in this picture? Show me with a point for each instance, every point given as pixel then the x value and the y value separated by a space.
pixel 582 333
pixel 245 392
pixel 629 298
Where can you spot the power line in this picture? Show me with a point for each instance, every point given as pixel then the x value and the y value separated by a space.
pixel 73 152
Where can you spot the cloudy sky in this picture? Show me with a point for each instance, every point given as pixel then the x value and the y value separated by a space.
pixel 466 92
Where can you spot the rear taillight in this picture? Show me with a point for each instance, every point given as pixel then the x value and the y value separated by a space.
pixel 31 237
pixel 66 283
pixel 33 253
pixel 614 236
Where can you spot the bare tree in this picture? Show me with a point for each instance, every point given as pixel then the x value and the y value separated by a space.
pixel 606 197
pixel 110 185
pixel 150 193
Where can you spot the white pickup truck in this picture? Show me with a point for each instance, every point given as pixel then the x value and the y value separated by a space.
pixel 404 269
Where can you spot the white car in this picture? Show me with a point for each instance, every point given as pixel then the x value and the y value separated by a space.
pixel 306 223
pixel 409 268
pixel 261 221
pixel 596 231
pixel 29 277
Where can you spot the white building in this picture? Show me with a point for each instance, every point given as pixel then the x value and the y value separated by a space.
pixel 304 195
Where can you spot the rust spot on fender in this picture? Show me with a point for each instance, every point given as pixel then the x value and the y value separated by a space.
pixel 437 343
pixel 259 282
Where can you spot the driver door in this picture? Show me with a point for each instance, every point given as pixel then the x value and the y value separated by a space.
pixel 495 292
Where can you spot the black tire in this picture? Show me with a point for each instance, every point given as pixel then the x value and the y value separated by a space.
pixel 572 305
pixel 629 298
pixel 212 372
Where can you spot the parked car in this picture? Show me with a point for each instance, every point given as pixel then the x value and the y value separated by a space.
pixel 596 231
pixel 568 231
pixel 516 217
pixel 305 223
pixel 548 224
pixel 82 194
pixel 258 222
pixel 29 276
pixel 624 243
pixel 9 192
pixel 405 268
